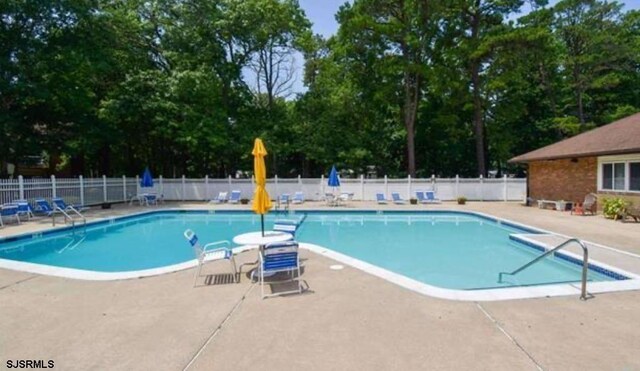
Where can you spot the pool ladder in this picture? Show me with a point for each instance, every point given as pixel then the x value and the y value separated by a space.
pixel 585 263
pixel 69 217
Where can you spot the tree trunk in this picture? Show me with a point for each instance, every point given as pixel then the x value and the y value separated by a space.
pixel 410 110
pixel 478 124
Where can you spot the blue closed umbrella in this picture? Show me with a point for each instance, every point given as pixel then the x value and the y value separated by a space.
pixel 333 178
pixel 147 179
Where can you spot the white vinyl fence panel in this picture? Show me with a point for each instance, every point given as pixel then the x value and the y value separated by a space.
pixel 93 191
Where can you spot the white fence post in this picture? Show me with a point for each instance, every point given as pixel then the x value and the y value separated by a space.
pixel 409 187
pixel 276 188
pixel 137 185
pixel 206 187
pixel 386 186
pixel 322 186
pixel 184 186
pixel 21 186
pixel 457 186
pixel 124 188
pixel 481 188
pixel 229 180
pixel 54 194
pixel 433 182
pixel 300 181
pixel 81 180
pixel 161 186
pixel 505 189
pixel 104 187
pixel 362 187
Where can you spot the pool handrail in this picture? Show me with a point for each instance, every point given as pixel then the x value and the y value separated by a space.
pixel 585 263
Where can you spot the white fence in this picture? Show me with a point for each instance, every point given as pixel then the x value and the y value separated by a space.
pixel 92 191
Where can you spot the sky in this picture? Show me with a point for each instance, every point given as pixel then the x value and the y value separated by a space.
pixel 322 15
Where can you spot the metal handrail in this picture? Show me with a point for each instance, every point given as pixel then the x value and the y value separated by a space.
pixel 585 263
pixel 68 217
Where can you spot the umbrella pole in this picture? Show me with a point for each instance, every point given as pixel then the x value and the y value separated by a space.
pixel 262 223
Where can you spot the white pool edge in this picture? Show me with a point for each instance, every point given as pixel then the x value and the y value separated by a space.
pixel 497 294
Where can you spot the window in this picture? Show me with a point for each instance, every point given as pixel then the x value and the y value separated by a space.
pixel 634 176
pixel 607 176
pixel 620 173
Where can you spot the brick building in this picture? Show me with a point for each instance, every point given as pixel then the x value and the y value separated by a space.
pixel 604 161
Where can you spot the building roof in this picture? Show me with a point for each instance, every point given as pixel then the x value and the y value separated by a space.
pixel 618 137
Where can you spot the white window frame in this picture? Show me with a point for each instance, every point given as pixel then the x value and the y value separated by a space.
pixel 624 159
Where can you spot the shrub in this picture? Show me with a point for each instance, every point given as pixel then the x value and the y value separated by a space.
pixel 244 201
pixel 462 200
pixel 413 201
pixel 613 207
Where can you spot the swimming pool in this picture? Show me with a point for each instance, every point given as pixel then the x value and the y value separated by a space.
pixel 447 250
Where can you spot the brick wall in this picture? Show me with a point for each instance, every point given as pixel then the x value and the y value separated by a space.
pixel 563 179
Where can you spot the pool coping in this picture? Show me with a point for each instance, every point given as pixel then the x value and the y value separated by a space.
pixel 507 293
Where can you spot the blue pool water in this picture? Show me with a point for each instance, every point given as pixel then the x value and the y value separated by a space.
pixel 450 250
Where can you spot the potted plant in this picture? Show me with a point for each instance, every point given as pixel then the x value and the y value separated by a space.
pixel 462 200
pixel 413 201
pixel 244 201
pixel 613 208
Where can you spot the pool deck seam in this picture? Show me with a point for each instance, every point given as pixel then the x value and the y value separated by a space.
pixel 218 328
pixel 19 281
pixel 509 336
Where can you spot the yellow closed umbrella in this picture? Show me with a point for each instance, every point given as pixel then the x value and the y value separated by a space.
pixel 261 199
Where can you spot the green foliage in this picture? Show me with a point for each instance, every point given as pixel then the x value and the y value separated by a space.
pixel 613 207
pixel 101 87
pixel 461 200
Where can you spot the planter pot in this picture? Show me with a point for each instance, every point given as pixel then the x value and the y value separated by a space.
pixel 244 201
pixel 413 201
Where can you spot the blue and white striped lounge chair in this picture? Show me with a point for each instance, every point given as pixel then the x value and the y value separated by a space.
pixel 222 198
pixel 235 197
pixel 421 197
pixel 298 198
pixel 59 203
pixel 203 255
pixel 380 199
pixel 43 207
pixel 286 225
pixel 280 257
pixel 24 208
pixel 150 199
pixel 9 211
pixel 431 197
pixel 283 201
pixel 395 196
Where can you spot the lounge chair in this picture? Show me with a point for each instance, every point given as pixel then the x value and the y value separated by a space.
pixel 9 211
pixel 203 255
pixel 222 198
pixel 589 204
pixel 331 199
pixel 431 198
pixel 380 199
pixel 631 212
pixel 44 207
pixel 235 197
pixel 421 197
pixel 395 196
pixel 59 203
pixel 150 199
pixel 283 201
pixel 286 225
pixel 345 197
pixel 24 208
pixel 280 257
pixel 298 198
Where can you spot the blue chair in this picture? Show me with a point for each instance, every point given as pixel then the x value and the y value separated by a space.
pixel 421 197
pixel 380 198
pixel 60 204
pixel 43 207
pixel 24 208
pixel 431 197
pixel 150 198
pixel 203 255
pixel 9 211
pixel 286 225
pixel 280 257
pixel 395 196
pixel 222 198
pixel 235 197
pixel 298 198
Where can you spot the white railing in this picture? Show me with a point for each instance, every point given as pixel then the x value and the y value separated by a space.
pixel 93 191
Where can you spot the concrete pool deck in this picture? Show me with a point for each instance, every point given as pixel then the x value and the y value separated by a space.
pixel 346 319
